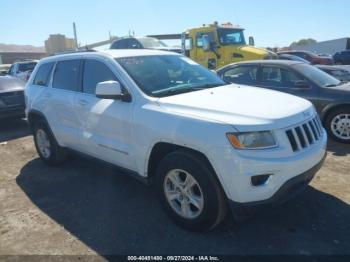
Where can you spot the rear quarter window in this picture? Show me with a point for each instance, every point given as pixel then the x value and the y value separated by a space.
pixel 43 74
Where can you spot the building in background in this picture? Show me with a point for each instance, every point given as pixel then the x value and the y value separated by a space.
pixel 13 56
pixel 59 43
pixel 327 47
pixel 10 53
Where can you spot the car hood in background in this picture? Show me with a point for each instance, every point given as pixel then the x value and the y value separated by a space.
pixel 245 108
pixel 10 84
pixel 344 87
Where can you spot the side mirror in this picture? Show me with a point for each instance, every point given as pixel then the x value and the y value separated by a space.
pixel 251 41
pixel 206 43
pixel 111 90
pixel 301 84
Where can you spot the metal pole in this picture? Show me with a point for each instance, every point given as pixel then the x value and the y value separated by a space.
pixel 75 35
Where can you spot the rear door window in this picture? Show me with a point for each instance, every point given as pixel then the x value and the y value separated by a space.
pixel 42 77
pixel 279 77
pixel 246 75
pixel 67 75
pixel 94 73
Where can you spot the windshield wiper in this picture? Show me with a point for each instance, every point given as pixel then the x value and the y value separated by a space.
pixel 185 89
pixel 205 86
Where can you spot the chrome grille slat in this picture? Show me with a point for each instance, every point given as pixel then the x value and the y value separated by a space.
pixel 308 124
pixel 319 124
pixel 304 135
pixel 313 128
pixel 317 127
pixel 296 139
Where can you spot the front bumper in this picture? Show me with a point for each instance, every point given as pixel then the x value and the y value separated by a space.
pixel 287 191
pixel 236 168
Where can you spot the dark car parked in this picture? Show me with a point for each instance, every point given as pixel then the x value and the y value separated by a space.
pixel 11 97
pixel 330 96
pixel 342 58
pixel 311 57
pixel 142 43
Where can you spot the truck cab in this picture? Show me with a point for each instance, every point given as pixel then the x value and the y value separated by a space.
pixel 214 46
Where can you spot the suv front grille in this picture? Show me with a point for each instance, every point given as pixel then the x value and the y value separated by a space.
pixel 12 98
pixel 305 135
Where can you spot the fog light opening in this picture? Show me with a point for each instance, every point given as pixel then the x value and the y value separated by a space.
pixel 260 180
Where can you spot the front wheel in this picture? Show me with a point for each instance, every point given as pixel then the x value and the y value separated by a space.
pixel 338 125
pixel 46 145
pixel 189 191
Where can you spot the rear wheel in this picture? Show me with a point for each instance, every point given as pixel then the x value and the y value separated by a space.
pixel 338 124
pixel 190 192
pixel 46 145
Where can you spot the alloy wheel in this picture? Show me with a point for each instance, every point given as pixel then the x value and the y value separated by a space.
pixel 43 143
pixel 340 126
pixel 183 193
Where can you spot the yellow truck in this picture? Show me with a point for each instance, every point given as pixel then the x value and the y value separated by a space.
pixel 216 45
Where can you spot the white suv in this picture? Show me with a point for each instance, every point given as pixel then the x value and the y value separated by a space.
pixel 204 145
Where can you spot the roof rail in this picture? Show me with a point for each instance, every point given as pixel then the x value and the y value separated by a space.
pixel 73 52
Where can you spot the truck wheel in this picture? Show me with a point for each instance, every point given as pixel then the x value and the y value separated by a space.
pixel 46 145
pixel 189 191
pixel 338 125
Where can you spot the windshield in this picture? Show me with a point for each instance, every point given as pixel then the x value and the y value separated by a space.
pixel 229 36
pixel 151 42
pixel 165 75
pixel 27 66
pixel 294 58
pixel 316 75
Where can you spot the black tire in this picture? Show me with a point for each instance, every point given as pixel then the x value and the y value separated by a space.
pixel 215 203
pixel 328 123
pixel 57 154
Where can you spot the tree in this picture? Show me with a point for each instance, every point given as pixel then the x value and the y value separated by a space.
pixel 307 41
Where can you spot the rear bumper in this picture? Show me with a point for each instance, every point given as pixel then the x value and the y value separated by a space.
pixel 287 191
pixel 12 112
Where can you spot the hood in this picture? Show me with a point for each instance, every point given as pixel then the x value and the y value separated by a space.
pixel 10 84
pixel 254 50
pixel 245 108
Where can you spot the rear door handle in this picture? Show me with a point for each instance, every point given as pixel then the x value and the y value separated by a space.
pixel 47 95
pixel 82 102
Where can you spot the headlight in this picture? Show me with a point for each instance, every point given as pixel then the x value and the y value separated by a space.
pixel 252 140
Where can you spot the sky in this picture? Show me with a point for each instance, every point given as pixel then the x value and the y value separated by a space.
pixel 273 23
